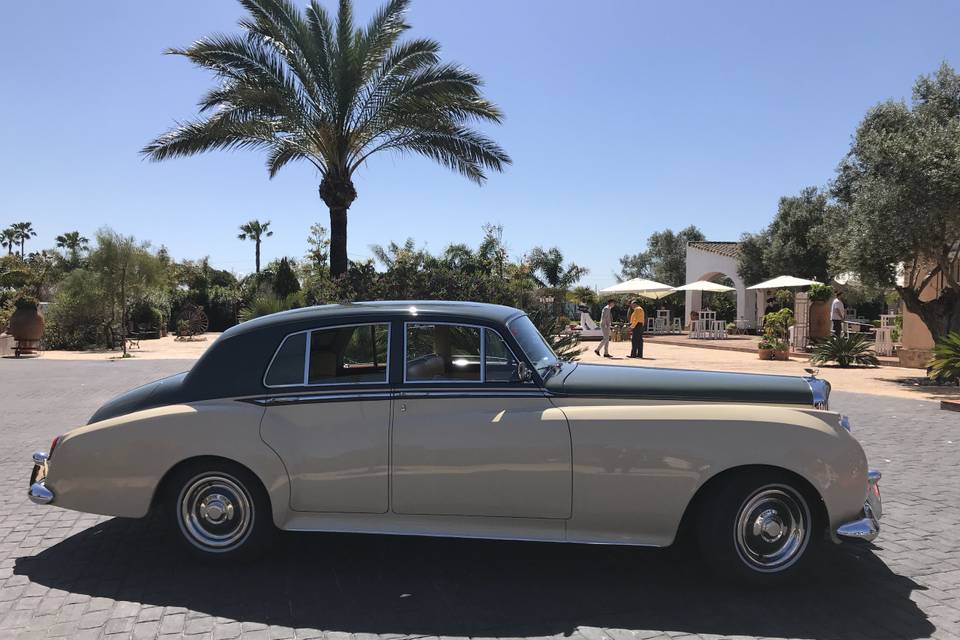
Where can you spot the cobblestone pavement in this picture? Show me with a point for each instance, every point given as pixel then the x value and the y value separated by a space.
pixel 71 575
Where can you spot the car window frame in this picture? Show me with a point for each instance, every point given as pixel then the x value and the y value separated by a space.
pixel 306 357
pixel 483 354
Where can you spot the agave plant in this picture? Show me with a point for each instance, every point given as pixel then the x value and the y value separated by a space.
pixel 945 364
pixel 847 350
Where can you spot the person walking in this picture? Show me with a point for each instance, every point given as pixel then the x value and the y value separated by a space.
pixel 606 324
pixel 838 314
pixel 638 321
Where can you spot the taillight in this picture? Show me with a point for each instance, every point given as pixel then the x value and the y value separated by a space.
pixel 53 445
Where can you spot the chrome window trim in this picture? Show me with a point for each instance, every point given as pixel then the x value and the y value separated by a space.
pixel 483 351
pixel 306 357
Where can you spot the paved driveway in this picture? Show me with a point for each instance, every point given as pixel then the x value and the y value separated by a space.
pixel 65 574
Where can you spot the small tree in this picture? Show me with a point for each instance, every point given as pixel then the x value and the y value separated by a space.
pixel 899 191
pixel 126 270
pixel 549 272
pixel 256 231
pixel 285 281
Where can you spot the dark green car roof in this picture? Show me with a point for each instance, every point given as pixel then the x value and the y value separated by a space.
pixel 332 313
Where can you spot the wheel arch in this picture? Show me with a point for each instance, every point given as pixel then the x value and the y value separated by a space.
pixel 162 485
pixel 813 496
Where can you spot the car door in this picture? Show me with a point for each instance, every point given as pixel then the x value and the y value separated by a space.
pixel 328 417
pixel 471 438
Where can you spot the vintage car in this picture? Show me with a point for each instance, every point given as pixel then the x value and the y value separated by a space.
pixel 457 419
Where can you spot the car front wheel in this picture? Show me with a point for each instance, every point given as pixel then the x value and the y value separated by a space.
pixel 758 528
pixel 219 511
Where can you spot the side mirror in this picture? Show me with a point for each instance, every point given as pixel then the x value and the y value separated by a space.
pixel 524 374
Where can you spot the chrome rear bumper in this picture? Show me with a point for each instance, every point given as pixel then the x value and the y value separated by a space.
pixel 38 492
pixel 867 528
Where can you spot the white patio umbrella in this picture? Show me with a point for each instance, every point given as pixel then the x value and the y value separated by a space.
pixel 783 282
pixel 641 287
pixel 705 285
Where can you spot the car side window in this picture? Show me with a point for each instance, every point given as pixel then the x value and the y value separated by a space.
pixel 348 354
pixel 442 352
pixel 287 366
pixel 500 365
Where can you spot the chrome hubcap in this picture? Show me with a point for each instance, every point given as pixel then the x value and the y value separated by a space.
pixel 772 528
pixel 215 512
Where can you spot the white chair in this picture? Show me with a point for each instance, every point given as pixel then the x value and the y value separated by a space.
pixel 677 326
pixel 888 320
pixel 884 344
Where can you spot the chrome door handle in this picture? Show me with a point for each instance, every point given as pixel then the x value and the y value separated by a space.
pixel 403 406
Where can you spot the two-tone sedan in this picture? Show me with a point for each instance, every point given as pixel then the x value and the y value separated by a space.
pixel 457 419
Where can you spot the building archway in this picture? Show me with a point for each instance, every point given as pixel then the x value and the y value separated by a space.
pixel 713 261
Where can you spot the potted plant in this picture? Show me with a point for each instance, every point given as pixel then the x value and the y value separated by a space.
pixel 765 348
pixel 776 332
pixel 26 324
pixel 731 328
pixel 819 296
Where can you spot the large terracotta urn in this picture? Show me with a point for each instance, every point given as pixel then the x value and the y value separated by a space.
pixel 26 323
pixel 820 326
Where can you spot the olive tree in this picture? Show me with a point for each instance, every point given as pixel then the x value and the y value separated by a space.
pixel 898 190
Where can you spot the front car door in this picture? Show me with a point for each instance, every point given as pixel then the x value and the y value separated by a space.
pixel 328 417
pixel 470 437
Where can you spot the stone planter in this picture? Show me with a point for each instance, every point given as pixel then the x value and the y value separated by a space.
pixel 820 325
pixel 781 355
pixel 765 354
pixel 26 324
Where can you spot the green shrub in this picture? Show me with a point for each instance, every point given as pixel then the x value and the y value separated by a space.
pixel 848 350
pixel 944 366
pixel 819 293
pixel 77 317
pixel 566 346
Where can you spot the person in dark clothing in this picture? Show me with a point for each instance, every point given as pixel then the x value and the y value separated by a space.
pixel 637 321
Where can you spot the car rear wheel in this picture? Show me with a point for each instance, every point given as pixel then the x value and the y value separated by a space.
pixel 219 511
pixel 758 528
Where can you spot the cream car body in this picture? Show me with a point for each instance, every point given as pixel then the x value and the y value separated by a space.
pixel 497 445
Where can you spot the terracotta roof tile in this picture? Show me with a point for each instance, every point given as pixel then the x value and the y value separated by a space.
pixel 728 249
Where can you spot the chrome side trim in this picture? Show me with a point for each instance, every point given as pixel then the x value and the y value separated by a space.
pixel 479 393
pixel 319 397
pixel 40 494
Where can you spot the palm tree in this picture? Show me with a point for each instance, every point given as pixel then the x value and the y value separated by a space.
pixel 549 272
pixel 24 232
pixel 256 231
pixel 303 87
pixel 74 243
pixel 8 239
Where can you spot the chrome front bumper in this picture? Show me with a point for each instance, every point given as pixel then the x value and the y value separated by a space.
pixel 868 526
pixel 38 492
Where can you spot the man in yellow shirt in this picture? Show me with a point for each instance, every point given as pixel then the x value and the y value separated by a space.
pixel 638 321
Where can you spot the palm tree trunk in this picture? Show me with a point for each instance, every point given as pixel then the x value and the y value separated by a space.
pixel 257 260
pixel 338 241
pixel 338 193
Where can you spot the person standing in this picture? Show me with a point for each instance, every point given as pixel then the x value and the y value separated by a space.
pixel 606 324
pixel 638 321
pixel 838 314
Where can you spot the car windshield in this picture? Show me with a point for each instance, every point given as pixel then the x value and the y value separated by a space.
pixel 538 351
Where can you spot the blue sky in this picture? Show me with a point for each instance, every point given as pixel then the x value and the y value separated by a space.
pixel 622 118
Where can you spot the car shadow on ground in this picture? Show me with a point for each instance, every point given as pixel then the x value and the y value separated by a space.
pixel 438 587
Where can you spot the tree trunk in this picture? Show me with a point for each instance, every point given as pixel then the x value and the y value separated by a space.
pixel 123 311
pixel 257 259
pixel 940 315
pixel 337 192
pixel 338 241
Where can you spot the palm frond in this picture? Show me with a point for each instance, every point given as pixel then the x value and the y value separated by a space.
pixel 854 349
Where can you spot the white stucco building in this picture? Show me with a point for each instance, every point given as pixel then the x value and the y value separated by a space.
pixel 706 261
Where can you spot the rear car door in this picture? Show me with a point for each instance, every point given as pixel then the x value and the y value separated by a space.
pixel 328 417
